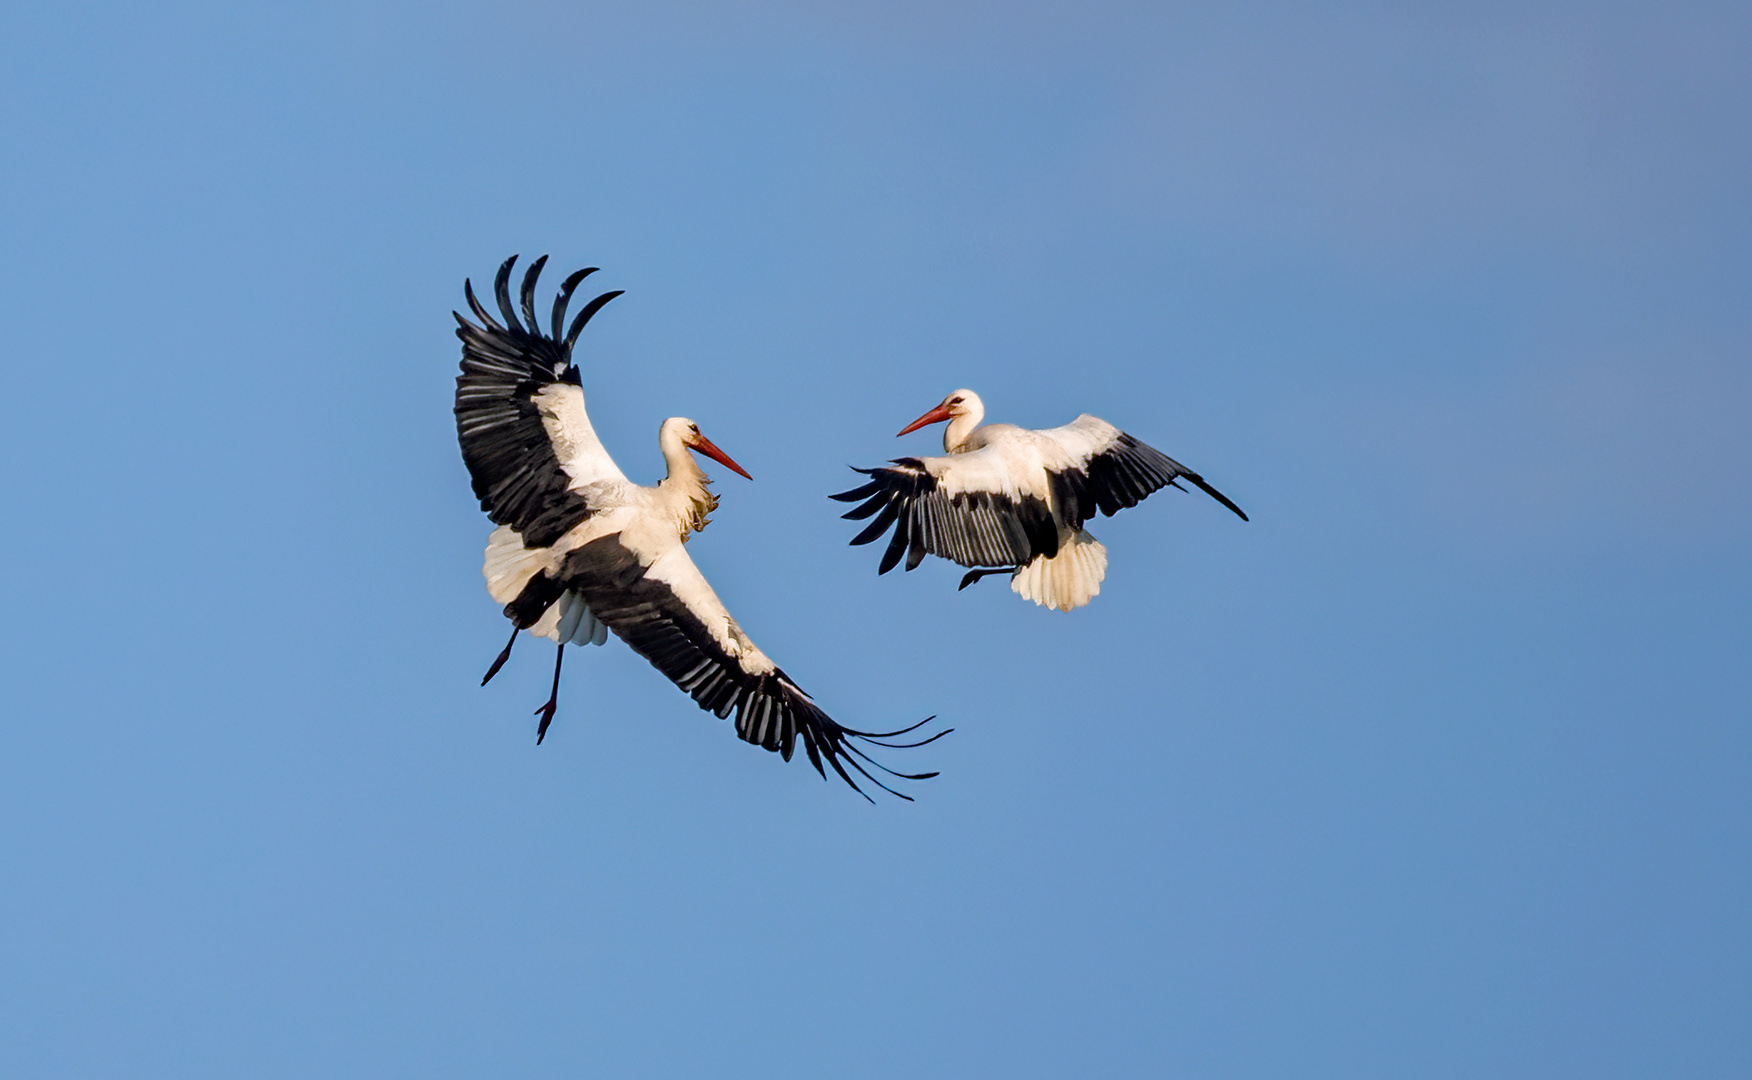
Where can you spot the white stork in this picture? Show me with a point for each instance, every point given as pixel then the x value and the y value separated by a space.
pixel 581 550
pixel 1011 500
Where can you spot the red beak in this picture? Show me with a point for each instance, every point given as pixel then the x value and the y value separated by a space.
pixel 705 446
pixel 935 416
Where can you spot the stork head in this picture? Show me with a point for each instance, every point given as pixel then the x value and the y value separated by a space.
pixel 684 432
pixel 960 403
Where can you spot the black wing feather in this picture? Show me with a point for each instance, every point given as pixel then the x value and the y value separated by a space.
pixel 1120 477
pixel 771 710
pixel 564 297
pixel 977 528
pixel 876 528
pixel 584 316
pixel 528 293
pixel 475 304
pixel 509 456
pixel 502 292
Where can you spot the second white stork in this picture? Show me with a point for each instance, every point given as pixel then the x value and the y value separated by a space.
pixel 581 550
pixel 1012 500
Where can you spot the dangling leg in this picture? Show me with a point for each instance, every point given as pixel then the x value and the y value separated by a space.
pixel 974 575
pixel 500 662
pixel 553 702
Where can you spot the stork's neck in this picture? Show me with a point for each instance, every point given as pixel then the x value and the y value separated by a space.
pixel 961 425
pixel 684 493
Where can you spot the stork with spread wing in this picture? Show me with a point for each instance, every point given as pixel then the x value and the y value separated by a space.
pixel 1011 500
pixel 580 550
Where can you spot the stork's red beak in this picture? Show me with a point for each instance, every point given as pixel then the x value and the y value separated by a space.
pixel 935 416
pixel 705 446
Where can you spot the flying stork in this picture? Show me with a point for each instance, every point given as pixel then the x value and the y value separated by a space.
pixel 1011 500
pixel 581 550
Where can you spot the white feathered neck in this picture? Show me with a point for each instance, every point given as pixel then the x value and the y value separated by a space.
pixel 684 494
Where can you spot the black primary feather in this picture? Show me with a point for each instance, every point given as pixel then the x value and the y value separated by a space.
pixel 973 528
pixel 771 710
pixel 510 458
pixel 1119 478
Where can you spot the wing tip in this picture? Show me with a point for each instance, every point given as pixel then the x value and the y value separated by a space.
pixel 831 745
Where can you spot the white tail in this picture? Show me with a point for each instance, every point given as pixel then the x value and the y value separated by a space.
pixel 509 565
pixel 508 568
pixel 1067 580
pixel 570 622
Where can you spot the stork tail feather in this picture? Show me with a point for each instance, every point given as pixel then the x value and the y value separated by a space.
pixel 1066 580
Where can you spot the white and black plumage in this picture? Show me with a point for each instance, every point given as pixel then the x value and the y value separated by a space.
pixel 581 550
pixel 1007 499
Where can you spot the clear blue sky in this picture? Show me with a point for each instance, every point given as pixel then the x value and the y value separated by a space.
pixel 1438 768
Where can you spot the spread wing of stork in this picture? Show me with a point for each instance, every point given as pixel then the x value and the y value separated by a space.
pixel 580 550
pixel 1010 500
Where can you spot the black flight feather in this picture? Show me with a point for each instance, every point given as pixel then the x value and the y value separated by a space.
pixel 771 711
pixel 506 446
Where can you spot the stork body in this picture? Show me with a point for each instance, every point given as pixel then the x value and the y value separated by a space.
pixel 580 550
pixel 1012 500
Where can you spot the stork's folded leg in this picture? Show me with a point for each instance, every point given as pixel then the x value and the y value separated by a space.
pixel 546 712
pixel 500 662
pixel 974 575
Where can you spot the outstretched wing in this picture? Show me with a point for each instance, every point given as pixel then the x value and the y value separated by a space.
pixel 977 508
pixel 1093 465
pixel 669 615
pixel 526 438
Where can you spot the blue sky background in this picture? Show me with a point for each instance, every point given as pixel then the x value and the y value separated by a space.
pixel 1437 768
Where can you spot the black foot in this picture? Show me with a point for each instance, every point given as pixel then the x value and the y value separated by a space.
pixel 546 712
pixel 974 575
pixel 500 662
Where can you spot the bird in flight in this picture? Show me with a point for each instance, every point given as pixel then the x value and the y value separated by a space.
pixel 580 550
pixel 1012 500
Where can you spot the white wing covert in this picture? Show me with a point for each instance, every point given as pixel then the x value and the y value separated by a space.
pixel 668 613
pixel 526 438
pixel 979 508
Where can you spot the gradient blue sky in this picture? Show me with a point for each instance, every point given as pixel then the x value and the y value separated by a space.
pixel 1438 768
